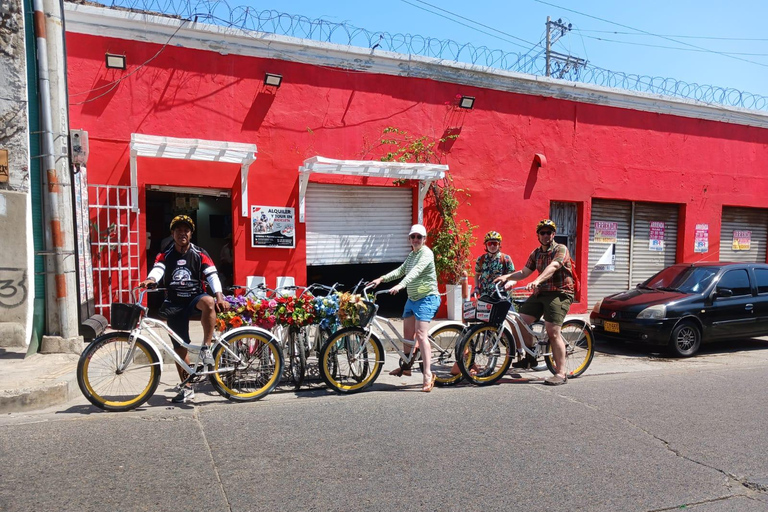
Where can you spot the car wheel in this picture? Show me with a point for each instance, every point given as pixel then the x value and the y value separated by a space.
pixel 685 339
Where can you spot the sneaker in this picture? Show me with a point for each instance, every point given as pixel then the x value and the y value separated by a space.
pixel 206 356
pixel 185 395
pixel 527 363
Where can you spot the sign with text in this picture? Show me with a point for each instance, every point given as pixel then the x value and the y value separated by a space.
pixel 3 165
pixel 606 232
pixel 701 238
pixel 656 236
pixel 273 226
pixel 742 240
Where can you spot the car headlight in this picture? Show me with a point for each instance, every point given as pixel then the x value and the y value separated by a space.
pixel 656 312
pixel 596 308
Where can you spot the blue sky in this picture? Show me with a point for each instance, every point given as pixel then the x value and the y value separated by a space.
pixel 714 23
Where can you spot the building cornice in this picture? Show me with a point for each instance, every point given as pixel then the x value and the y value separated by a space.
pixel 151 28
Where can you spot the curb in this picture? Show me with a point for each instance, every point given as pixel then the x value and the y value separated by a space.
pixel 58 392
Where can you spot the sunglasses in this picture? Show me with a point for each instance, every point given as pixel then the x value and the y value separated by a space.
pixel 415 237
pixel 546 232
pixel 491 243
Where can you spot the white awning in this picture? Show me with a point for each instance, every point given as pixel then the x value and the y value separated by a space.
pixel 424 173
pixel 153 146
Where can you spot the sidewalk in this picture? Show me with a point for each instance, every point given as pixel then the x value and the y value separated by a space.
pixel 44 380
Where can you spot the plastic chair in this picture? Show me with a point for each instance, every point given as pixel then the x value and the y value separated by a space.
pixel 283 282
pixel 252 282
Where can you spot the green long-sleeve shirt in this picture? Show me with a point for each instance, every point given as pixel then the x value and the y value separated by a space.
pixel 419 270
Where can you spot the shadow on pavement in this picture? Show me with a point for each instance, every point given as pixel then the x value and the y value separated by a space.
pixel 634 349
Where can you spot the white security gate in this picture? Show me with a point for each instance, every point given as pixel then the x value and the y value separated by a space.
pixel 357 224
pixel 114 230
pixel 605 281
pixel 743 234
pixel 654 240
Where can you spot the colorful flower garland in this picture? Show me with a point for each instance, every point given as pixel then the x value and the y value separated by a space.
pixel 340 309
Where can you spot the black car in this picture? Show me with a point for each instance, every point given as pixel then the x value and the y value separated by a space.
pixel 687 304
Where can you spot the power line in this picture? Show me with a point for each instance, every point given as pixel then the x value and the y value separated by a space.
pixel 532 45
pixel 672 47
pixel 714 38
pixel 651 34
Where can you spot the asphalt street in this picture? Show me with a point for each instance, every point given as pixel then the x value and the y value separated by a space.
pixel 637 432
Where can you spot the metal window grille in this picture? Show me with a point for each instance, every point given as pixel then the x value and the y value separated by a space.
pixel 114 229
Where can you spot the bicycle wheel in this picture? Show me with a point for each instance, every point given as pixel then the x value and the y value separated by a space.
pixel 295 357
pixel 579 348
pixel 443 341
pixel 112 388
pixel 248 365
pixel 487 355
pixel 350 361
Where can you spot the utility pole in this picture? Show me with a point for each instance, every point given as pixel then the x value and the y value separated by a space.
pixel 566 62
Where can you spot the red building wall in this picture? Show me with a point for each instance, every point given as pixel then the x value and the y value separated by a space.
pixel 592 151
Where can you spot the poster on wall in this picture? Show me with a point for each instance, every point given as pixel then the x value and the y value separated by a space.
pixel 701 238
pixel 741 240
pixel 606 232
pixel 607 262
pixel 656 237
pixel 273 226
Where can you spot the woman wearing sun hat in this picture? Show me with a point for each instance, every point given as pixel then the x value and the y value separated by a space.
pixel 420 281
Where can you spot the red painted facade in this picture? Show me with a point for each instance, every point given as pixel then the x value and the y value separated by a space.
pixel 591 151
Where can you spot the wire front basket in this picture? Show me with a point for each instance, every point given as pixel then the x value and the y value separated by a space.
pixel 368 313
pixel 487 309
pixel 124 317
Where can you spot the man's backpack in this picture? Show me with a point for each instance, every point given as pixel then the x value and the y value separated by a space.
pixel 575 276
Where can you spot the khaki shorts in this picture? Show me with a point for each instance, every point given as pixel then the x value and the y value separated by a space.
pixel 552 305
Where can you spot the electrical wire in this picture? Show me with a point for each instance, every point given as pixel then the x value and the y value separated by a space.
pixel 673 47
pixel 714 38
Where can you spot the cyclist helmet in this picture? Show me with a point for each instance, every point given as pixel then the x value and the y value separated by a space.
pixel 492 235
pixel 546 224
pixel 182 219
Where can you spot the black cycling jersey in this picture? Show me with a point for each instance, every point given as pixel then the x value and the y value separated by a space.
pixel 183 274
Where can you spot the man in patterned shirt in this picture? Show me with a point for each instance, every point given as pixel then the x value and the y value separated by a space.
pixel 491 265
pixel 552 297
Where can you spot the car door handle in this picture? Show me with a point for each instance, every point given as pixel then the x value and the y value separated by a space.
pixel 749 307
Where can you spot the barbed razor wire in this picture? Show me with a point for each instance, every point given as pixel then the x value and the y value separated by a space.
pixel 221 13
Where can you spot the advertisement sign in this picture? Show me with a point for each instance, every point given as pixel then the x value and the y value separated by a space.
pixel 701 238
pixel 607 262
pixel 741 240
pixel 606 232
pixel 273 226
pixel 656 236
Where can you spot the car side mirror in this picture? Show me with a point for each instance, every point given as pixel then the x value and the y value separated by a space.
pixel 724 292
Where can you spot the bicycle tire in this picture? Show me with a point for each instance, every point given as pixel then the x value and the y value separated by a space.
pixel 579 346
pixel 104 385
pixel 445 368
pixel 485 361
pixel 350 361
pixel 258 371
pixel 296 358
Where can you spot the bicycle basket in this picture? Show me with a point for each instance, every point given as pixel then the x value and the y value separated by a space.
pixel 124 317
pixel 491 310
pixel 367 314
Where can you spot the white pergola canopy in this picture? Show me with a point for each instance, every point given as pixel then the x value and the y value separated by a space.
pixel 154 146
pixel 424 173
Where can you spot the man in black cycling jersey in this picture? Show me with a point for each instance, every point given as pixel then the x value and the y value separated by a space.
pixel 184 266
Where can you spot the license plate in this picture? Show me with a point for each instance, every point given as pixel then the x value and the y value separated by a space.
pixel 611 326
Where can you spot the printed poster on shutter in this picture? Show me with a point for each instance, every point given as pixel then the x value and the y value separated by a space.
pixel 273 226
pixel 656 236
pixel 742 240
pixel 606 232
pixel 701 238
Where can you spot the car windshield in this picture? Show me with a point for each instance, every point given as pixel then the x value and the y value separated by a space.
pixel 682 279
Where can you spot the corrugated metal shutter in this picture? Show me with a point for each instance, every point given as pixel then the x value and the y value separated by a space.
pixel 601 283
pixel 349 224
pixel 744 219
pixel 646 262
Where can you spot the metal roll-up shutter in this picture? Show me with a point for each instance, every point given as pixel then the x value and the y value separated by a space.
pixel 754 220
pixel 602 283
pixel 646 261
pixel 356 224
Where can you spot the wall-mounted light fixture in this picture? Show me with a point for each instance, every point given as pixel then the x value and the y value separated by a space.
pixel 467 102
pixel 273 79
pixel 114 61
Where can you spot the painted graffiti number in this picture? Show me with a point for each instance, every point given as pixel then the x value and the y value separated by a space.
pixel 13 290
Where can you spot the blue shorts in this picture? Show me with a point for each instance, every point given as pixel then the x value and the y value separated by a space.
pixel 177 317
pixel 424 309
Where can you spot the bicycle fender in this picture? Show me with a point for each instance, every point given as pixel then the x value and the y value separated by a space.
pixel 237 330
pixel 450 323
pixel 154 348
